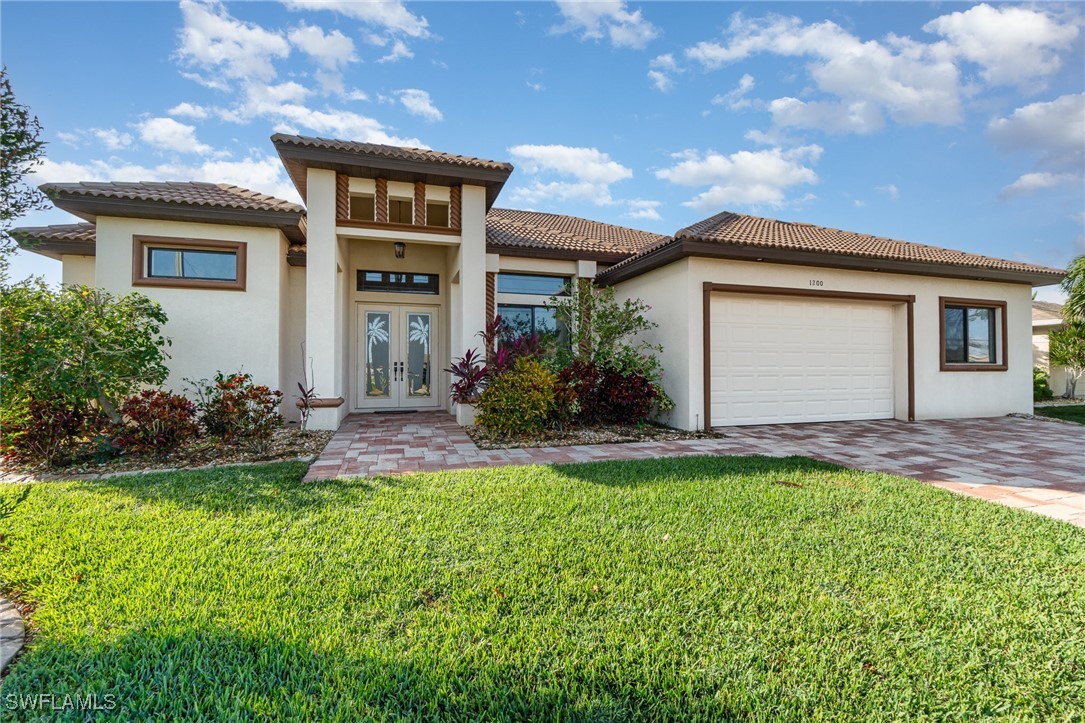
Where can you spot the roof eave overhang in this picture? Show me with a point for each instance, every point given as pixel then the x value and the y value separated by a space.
pixel 56 249
pixel 683 248
pixel 291 223
pixel 559 254
pixel 393 169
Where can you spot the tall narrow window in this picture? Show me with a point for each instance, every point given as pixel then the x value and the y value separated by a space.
pixel 362 207
pixel 400 210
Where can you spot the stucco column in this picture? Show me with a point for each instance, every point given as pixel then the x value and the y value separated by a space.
pixel 472 272
pixel 322 314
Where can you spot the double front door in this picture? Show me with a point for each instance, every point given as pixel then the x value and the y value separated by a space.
pixel 397 357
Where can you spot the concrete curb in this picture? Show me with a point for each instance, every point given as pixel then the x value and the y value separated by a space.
pixel 12 633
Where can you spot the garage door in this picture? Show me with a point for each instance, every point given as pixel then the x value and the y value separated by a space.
pixel 799 360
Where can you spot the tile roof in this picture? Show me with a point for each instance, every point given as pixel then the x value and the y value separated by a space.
pixel 422 155
pixel 507 228
pixel 741 230
pixel 186 193
pixel 1046 311
pixel 73 232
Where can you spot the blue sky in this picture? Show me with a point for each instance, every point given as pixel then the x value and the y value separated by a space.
pixel 951 124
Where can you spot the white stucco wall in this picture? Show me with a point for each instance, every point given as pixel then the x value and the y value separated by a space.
pixel 938 394
pixel 1041 348
pixel 211 329
pixel 76 270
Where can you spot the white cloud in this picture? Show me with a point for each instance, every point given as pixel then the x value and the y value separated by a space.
pixel 331 50
pixel 417 102
pixel 189 110
pixel 751 178
pixel 387 15
pixel 591 170
pixel 1013 45
pixel 399 51
pixel 911 82
pixel 1053 132
pixel 71 139
pixel 606 18
pixel 736 99
pixel 212 40
pixel 258 173
pixel 1055 128
pixel 856 117
pixel 890 190
pixel 111 138
pixel 168 134
pixel 587 164
pixel 662 68
pixel 1032 182
pixel 646 210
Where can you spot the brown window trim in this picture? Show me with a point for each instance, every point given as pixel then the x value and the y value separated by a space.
pixel 706 315
pixel 1003 348
pixel 140 244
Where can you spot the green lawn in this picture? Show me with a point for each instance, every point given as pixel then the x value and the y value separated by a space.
pixel 690 589
pixel 1069 412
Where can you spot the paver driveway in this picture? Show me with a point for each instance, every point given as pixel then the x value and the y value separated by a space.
pixel 1029 463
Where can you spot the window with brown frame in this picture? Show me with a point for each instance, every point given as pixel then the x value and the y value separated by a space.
pixel 437 213
pixel 973 335
pixel 362 207
pixel 188 263
pixel 400 210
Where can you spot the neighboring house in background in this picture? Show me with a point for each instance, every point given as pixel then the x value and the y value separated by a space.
pixel 400 258
pixel 1045 317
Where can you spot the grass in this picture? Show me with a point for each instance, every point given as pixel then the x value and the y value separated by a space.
pixel 1069 412
pixel 692 589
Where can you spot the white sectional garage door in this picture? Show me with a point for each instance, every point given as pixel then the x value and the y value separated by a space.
pixel 779 359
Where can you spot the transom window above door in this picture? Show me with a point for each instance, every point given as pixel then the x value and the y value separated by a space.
pixel 397 282
pixel 973 335
pixel 534 284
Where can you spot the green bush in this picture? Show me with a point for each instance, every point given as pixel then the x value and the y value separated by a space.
pixel 1041 391
pixel 519 401
pixel 238 411
pixel 78 347
pixel 39 432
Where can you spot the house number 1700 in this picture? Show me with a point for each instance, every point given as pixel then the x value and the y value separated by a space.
pixel 817 282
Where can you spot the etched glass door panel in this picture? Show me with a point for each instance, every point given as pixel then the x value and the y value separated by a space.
pixel 377 382
pixel 419 355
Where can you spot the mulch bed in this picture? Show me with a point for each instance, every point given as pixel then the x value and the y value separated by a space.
pixel 287 443
pixel 606 434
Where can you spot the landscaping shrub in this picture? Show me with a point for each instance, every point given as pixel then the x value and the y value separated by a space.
pixel 1041 390
pixel 39 432
pixel 238 411
pixel 519 401
pixel 469 377
pixel 78 347
pixel 578 382
pixel 624 398
pixel 157 422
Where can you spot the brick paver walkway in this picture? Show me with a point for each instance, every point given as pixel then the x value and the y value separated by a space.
pixel 1028 463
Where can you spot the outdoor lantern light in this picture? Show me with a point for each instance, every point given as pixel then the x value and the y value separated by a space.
pixel 401 249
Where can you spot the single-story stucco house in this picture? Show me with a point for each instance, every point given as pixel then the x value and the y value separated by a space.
pixel 399 258
pixel 1047 316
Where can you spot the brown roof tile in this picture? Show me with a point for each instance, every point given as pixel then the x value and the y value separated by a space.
pixel 741 230
pixel 530 230
pixel 1046 311
pixel 72 232
pixel 422 155
pixel 186 193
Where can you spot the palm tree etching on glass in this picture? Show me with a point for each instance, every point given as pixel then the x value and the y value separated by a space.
pixel 418 333
pixel 376 333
